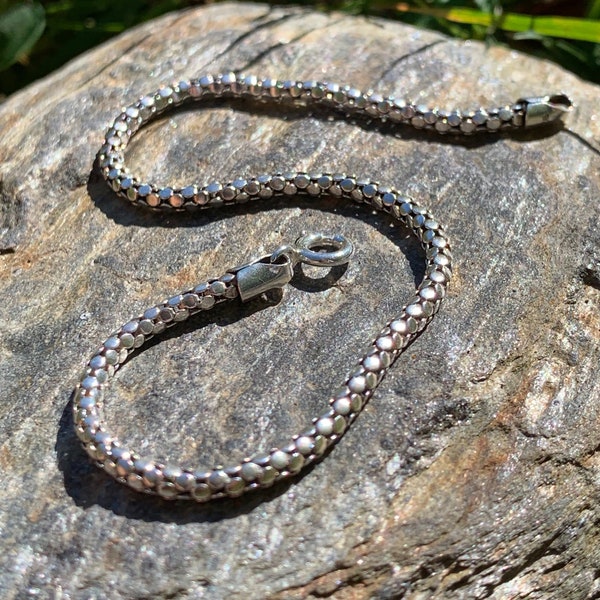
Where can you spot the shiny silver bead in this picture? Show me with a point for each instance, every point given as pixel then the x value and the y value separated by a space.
pixel 218 480
pixel 305 445
pixel 279 460
pixel 250 471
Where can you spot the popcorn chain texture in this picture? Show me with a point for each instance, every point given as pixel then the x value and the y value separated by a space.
pixel 262 470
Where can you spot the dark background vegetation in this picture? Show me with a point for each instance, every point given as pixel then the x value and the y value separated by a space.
pixel 38 37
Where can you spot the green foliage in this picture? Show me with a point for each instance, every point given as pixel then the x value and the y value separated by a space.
pixel 38 37
pixel 72 27
pixel 570 42
pixel 593 9
pixel 21 26
pixel 585 30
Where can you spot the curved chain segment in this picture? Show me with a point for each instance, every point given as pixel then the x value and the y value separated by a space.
pixel 148 475
pixel 344 99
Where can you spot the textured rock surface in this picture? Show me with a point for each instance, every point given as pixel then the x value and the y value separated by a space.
pixel 473 473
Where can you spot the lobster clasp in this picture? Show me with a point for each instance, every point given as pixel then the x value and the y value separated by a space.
pixel 276 270
pixel 545 109
pixel 261 276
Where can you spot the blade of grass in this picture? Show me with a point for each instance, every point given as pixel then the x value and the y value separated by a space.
pixel 562 27
pixel 593 9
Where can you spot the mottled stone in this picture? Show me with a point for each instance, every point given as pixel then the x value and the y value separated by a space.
pixel 474 470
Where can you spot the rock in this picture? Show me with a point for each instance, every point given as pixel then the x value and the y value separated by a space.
pixel 474 470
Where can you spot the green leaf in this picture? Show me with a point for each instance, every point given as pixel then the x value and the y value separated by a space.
pixel 21 26
pixel 593 9
pixel 562 27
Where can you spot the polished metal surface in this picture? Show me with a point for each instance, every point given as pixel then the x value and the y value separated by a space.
pixel 148 475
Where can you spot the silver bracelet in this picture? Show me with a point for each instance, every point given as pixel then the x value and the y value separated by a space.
pixel 274 271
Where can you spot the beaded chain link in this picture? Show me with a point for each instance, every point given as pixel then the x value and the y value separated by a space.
pixel 261 470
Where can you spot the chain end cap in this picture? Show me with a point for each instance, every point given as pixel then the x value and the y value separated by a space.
pixel 545 109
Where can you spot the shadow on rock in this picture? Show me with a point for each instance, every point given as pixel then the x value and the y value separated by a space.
pixel 123 213
pixel 89 485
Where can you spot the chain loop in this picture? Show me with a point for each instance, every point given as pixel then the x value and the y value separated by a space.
pixel 261 470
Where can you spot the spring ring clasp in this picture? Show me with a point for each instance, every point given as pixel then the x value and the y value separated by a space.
pixel 277 269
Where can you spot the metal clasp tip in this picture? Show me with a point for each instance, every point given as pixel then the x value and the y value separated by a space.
pixel 545 109
pixel 277 269
pixel 261 276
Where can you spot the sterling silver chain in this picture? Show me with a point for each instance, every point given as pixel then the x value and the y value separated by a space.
pixel 170 481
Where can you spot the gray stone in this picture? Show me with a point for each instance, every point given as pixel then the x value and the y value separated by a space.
pixel 474 470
